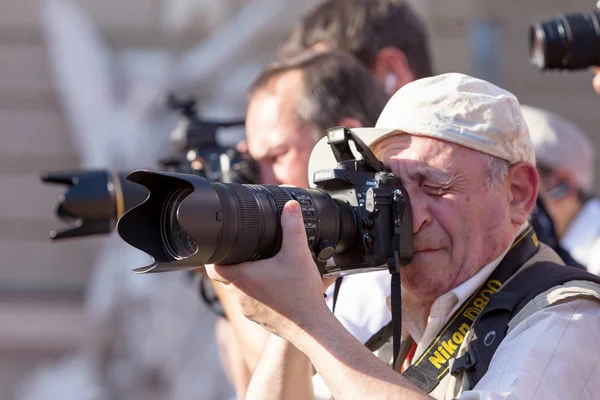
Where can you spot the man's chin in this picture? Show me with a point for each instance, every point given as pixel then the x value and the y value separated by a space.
pixel 423 269
pixel 414 294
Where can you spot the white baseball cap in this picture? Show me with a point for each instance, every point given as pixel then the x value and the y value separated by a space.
pixel 453 107
pixel 559 143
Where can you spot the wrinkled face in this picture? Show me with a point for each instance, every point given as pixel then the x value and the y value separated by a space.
pixel 277 140
pixel 460 225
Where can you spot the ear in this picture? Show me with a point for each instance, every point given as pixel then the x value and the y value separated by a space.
pixel 390 60
pixel 523 190
pixel 349 123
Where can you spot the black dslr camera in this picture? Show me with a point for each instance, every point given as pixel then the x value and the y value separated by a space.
pixel 358 219
pixel 567 42
pixel 96 199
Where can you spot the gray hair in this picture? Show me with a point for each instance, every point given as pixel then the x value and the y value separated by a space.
pixel 496 170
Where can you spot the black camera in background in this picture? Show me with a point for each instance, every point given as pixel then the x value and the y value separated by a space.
pixel 96 199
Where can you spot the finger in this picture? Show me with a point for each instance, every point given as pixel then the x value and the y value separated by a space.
pixel 222 273
pixel 292 226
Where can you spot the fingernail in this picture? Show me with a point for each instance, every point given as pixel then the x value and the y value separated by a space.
pixel 292 207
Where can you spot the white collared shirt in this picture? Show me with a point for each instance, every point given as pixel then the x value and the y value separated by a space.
pixel 582 237
pixel 362 303
pixel 448 303
pixel 445 306
pixel 552 355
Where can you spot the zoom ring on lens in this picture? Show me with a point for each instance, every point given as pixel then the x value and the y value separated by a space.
pixel 281 197
pixel 250 225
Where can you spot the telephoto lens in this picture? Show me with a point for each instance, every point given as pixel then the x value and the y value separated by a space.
pixel 202 222
pixel 567 42
pixel 358 218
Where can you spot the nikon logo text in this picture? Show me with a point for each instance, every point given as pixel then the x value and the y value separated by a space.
pixel 482 299
pixel 449 347
pixel 322 175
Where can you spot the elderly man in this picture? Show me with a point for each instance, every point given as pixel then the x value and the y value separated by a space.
pixel 565 162
pixel 462 149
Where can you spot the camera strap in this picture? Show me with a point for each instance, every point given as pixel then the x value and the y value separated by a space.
pixel 434 364
pixel 336 292
pixel 396 308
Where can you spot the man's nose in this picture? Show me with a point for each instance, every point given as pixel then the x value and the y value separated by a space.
pixel 420 209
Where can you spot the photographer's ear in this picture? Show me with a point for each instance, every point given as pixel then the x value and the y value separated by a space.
pixel 523 184
pixel 391 69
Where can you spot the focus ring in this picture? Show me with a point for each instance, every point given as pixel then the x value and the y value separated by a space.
pixel 250 225
pixel 281 197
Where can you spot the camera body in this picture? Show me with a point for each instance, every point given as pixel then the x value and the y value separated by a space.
pixel 382 210
pixel 358 218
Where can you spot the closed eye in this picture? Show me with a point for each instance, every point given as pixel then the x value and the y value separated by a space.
pixel 433 190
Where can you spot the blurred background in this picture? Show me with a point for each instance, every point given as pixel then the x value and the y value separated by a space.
pixel 81 84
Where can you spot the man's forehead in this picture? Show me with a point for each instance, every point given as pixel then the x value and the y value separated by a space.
pixel 271 110
pixel 418 148
pixel 426 157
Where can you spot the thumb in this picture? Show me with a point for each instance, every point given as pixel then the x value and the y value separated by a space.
pixel 292 227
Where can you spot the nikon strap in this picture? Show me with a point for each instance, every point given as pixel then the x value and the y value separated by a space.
pixel 434 364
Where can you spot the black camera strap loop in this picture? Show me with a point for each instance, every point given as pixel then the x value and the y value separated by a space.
pixel 336 292
pixel 396 308
pixel 434 364
pixel 403 254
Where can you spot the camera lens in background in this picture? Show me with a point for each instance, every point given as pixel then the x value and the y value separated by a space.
pixel 568 42
pixel 198 222
pixel 94 201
